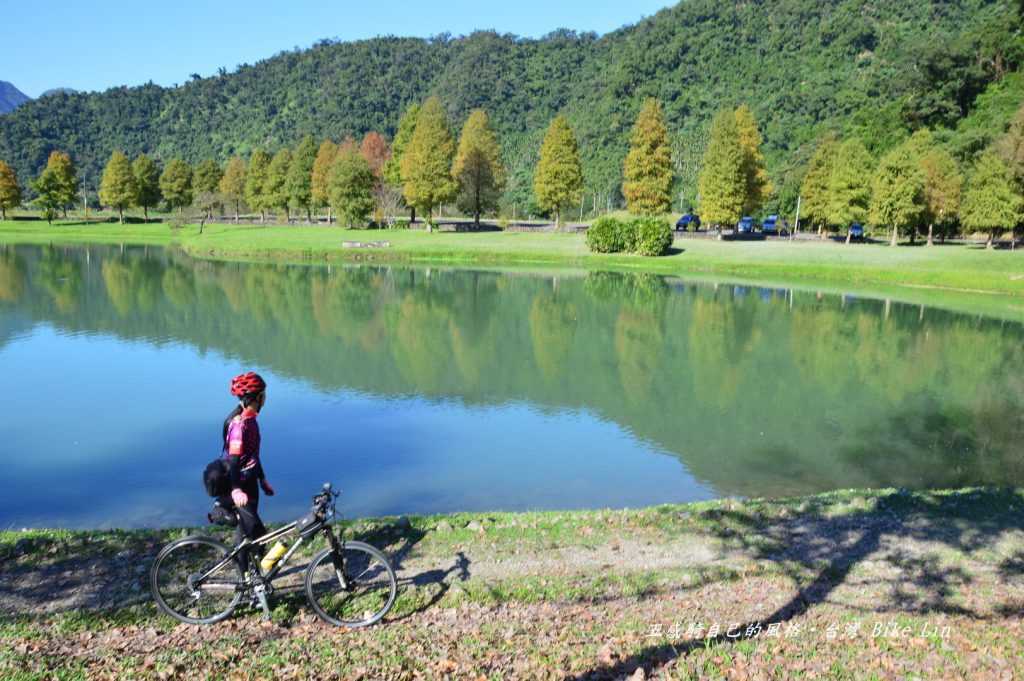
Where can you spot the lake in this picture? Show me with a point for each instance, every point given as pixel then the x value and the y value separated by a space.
pixel 419 390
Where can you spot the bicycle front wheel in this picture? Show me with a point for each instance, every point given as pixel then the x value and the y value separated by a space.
pixel 352 588
pixel 186 586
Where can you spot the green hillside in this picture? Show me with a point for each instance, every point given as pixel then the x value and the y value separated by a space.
pixel 879 69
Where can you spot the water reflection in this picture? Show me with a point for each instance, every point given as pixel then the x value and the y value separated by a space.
pixel 756 391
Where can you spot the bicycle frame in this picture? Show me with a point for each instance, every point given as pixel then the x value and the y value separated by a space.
pixel 246 544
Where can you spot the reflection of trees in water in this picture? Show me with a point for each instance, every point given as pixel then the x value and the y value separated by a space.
pixel 753 392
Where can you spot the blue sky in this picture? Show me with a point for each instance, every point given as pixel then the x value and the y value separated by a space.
pixel 93 46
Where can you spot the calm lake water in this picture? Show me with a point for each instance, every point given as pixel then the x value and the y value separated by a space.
pixel 426 390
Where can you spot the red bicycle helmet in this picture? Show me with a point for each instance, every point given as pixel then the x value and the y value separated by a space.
pixel 246 383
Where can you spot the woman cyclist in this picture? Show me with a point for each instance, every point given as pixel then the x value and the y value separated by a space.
pixel 242 451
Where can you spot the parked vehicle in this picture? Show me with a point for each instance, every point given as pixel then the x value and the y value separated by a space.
pixel 688 220
pixel 746 225
pixel 770 225
pixel 856 232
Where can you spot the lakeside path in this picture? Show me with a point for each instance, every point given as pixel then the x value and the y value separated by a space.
pixel 964 278
pixel 855 584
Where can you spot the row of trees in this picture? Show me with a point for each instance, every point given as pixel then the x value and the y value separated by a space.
pixel 917 186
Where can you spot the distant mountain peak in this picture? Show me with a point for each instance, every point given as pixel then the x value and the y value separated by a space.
pixel 59 91
pixel 10 97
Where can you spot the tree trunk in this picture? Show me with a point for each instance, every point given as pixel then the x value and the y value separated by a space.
pixel 179 210
pixel 236 211
pixel 263 216
pixel 913 235
pixel 3 213
pixel 991 244
pixel 895 235
pixel 931 238
pixel 849 236
pixel 558 219
pixel 120 215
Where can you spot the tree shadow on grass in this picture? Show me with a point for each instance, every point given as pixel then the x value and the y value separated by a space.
pixel 819 548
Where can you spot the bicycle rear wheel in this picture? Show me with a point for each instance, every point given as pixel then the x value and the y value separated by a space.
pixel 354 588
pixel 180 590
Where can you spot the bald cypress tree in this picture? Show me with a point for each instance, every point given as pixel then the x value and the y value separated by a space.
pixel 647 171
pixel 849 184
pixel 814 189
pixel 147 183
pixel 722 185
pixel 299 183
pixel 426 164
pixel 176 184
pixel 758 185
pixel 897 191
pixel 275 189
pixel 255 179
pixel 477 167
pixel 558 180
pixel 206 185
pixel 117 186
pixel 10 190
pixel 232 184
pixel 318 187
pixel 991 203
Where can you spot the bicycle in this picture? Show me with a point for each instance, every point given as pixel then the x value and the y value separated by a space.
pixel 198 580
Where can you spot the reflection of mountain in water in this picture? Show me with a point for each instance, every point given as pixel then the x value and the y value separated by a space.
pixel 757 392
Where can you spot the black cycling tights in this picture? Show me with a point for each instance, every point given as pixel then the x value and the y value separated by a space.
pixel 249 524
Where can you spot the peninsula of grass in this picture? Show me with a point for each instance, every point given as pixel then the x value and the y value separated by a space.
pixel 850 584
pixel 964 277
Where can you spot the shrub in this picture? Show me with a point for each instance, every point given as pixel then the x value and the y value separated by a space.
pixel 651 236
pixel 627 235
pixel 605 235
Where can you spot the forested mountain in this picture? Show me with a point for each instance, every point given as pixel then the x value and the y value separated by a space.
pixel 11 97
pixel 877 69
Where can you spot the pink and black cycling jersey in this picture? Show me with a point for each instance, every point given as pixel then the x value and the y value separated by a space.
pixel 243 442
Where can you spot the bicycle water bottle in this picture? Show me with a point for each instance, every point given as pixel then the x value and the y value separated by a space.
pixel 273 555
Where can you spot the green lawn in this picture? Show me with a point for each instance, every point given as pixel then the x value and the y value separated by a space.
pixel 968 278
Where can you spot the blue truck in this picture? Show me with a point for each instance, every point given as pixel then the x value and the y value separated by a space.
pixel 746 225
pixel 688 220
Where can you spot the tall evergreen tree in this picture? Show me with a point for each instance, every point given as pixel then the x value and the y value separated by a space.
pixel 558 180
pixel 350 186
pixel 374 148
pixel 1010 148
pixel 758 185
pixel 275 190
pixel 147 183
pixel 176 184
pixel 232 184
pixel 255 179
pixel 814 189
pixel 393 167
pixel 722 185
pixel 897 191
pixel 10 190
pixel 849 184
pixel 991 203
pixel 57 186
pixel 117 186
pixel 427 161
pixel 477 167
pixel 206 184
pixel 300 176
pixel 943 184
pixel 647 171
pixel 319 185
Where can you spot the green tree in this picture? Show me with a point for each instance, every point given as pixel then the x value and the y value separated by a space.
pixel 1010 148
pixel 351 187
pixel 558 180
pixel 147 183
pixel 206 185
pixel 758 185
pixel 255 179
pixel 814 188
pixel 232 184
pixel 427 161
pixel 897 191
pixel 10 190
pixel 275 190
pixel 722 184
pixel 319 191
pixel 57 186
pixel 647 171
pixel 849 184
pixel 176 184
pixel 393 167
pixel 478 168
pixel 991 202
pixel 117 186
pixel 300 176
pixel 943 185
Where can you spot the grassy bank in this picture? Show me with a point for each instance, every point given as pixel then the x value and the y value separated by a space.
pixel 861 584
pixel 960 277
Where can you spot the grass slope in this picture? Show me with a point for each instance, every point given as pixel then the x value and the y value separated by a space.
pixel 966 278
pixel 860 584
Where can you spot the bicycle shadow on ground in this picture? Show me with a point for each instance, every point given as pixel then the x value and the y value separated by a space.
pixel 898 535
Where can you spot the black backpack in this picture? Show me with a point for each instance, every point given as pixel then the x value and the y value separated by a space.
pixel 217 478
